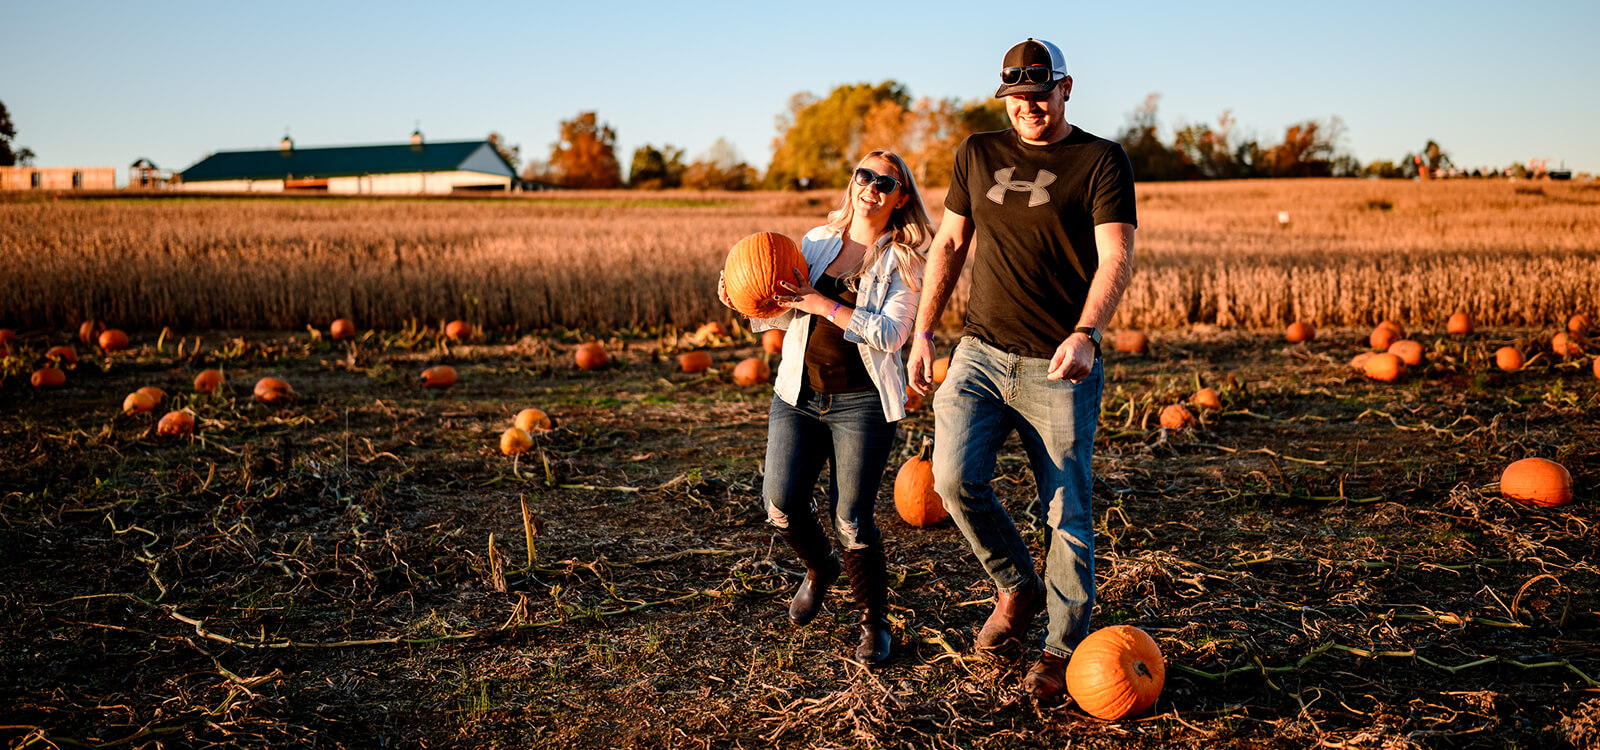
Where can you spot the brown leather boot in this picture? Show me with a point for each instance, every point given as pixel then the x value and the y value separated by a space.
pixel 1008 623
pixel 1047 680
pixel 869 584
pixel 811 545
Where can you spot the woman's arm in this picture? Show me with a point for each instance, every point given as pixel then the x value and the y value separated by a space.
pixel 888 328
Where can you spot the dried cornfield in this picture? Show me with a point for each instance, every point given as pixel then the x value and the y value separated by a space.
pixel 1352 252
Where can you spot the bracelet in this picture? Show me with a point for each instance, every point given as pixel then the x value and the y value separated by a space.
pixel 926 335
pixel 834 311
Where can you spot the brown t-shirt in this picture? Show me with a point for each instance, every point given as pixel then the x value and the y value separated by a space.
pixel 1034 210
pixel 834 365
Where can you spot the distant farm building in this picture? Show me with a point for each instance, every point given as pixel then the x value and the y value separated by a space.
pixel 398 169
pixel 58 178
pixel 143 174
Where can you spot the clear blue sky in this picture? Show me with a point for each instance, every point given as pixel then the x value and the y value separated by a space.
pixel 103 83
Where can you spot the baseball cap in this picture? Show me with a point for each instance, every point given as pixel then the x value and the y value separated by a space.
pixel 1029 53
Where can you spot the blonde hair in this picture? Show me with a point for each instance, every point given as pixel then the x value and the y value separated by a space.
pixel 909 227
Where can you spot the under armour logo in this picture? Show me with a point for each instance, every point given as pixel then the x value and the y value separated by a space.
pixel 1037 196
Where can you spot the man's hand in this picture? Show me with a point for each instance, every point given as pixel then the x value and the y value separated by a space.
pixel 1074 358
pixel 920 364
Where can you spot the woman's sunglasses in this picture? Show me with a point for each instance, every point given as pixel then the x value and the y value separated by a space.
pixel 1032 74
pixel 881 182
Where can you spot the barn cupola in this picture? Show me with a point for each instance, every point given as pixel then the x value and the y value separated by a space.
pixel 286 145
pixel 416 137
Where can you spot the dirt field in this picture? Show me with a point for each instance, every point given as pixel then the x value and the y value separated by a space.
pixel 1326 562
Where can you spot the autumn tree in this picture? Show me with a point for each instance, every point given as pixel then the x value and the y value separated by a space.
pixel 1308 150
pixel 510 152
pixel 1207 151
pixel 820 139
pixel 720 168
pixel 9 158
pixel 585 156
pixel 656 168
pixel 1151 159
pixel 941 126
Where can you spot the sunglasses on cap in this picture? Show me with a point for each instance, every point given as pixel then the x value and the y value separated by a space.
pixel 1031 74
pixel 881 182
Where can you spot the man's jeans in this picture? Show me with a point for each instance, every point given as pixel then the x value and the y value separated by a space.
pixel 987 393
pixel 847 431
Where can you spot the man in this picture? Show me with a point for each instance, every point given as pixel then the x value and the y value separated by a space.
pixel 1050 209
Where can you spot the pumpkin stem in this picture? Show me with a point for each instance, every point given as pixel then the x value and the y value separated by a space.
pixel 1144 671
pixel 926 452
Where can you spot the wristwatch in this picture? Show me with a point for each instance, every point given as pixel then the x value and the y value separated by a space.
pixel 1092 333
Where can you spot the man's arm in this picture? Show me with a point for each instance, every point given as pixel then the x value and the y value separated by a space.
pixel 1074 358
pixel 946 257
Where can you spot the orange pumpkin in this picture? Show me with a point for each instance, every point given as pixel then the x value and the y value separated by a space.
pixel 48 377
pixel 1206 398
pixel 590 356
pixel 1387 367
pixel 7 336
pixel 208 381
pixel 772 341
pixel 89 332
pixel 1383 337
pixel 913 400
pixel 439 376
pixel 533 421
pixel 62 355
pixel 113 340
pixel 1177 417
pixel 941 369
pixel 1508 358
pixel 1359 362
pixel 1409 352
pixel 458 330
pixel 695 361
pixel 1300 331
pixel 1116 672
pixel 1459 323
pixel 1578 323
pixel 514 441
pixel 1393 326
pixel 343 328
pixel 710 329
pixel 1537 481
pixel 1597 367
pixel 155 393
pixel 914 496
pixel 1567 345
pixel 175 423
pixel 751 371
pixel 138 403
pixel 753 269
pixel 1131 342
pixel 273 391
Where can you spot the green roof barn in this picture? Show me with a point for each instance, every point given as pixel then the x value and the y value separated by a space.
pixel 405 168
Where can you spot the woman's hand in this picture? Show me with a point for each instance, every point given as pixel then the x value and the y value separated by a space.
pixel 803 298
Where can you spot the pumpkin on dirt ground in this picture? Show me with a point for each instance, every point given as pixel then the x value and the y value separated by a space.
pixel 753 269
pixel 1567 345
pixel 1359 362
pixel 1177 417
pixel 914 496
pixel 913 400
pixel 1116 672
pixel 1206 398
pixel 695 361
pixel 138 402
pixel 590 356
pixel 1409 352
pixel 1131 342
pixel 1383 337
pixel 708 330
pixel 89 332
pixel 1459 323
pixel 1537 481
pixel 113 340
pixel 1508 358
pixel 533 421
pixel 439 376
pixel 175 424
pixel 1300 331
pixel 342 329
pixel 772 341
pixel 208 381
pixel 273 391
pixel 458 330
pixel 514 441
pixel 62 354
pixel 1578 324
pixel 1597 367
pixel 752 371
pixel 48 377
pixel 1386 367
pixel 155 393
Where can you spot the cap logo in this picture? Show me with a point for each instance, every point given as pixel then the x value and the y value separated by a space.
pixel 1037 195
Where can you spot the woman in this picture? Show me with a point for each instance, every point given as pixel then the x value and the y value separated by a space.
pixel 842 386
